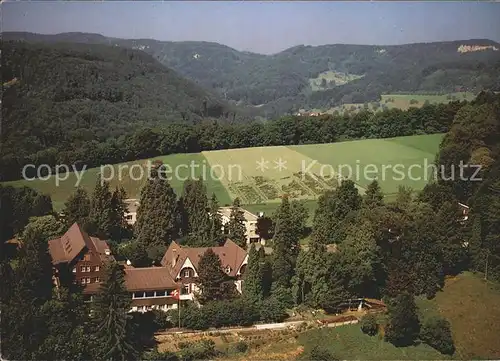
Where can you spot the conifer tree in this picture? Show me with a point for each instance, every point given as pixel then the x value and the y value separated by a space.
pixel 216 235
pixel 373 196
pixel 77 208
pixel 236 225
pixel 404 326
pixel 451 238
pixel 196 219
pixel 252 283
pixel 114 331
pixel 157 218
pixel 101 210
pixel 285 246
pixel 211 277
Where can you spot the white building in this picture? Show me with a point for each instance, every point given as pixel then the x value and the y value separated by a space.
pixel 250 223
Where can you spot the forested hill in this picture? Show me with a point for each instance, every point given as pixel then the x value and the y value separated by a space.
pixel 63 96
pixel 293 78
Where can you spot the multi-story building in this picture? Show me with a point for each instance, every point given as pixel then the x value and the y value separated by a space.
pixel 182 265
pixel 250 223
pixel 85 256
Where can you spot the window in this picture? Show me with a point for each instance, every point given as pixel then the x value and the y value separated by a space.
pixel 129 217
pixel 187 272
pixel 97 280
pixel 74 269
pixel 88 269
pixel 185 290
pixel 138 295
pixel 228 269
pixel 161 293
pixel 86 257
pixel 87 280
pixel 82 269
pixel 150 293
pixel 83 281
pixel 96 268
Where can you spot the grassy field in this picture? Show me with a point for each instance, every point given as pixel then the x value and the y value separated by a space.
pixel 330 76
pixel 472 307
pixel 303 172
pixel 402 101
pixel 349 343
pixel 389 160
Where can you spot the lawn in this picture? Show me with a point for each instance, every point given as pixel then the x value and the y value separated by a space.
pixel 349 343
pixel 472 307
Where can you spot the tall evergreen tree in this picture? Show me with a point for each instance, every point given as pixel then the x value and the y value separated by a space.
pixel 373 196
pixel 211 277
pixel 196 218
pixel 216 235
pixel 285 245
pixel 77 208
pixel 252 282
pixel 101 210
pixel 404 326
pixel 157 219
pixel 236 225
pixel 114 331
pixel 451 238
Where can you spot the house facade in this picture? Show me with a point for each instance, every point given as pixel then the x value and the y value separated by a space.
pixel 182 265
pixel 84 257
pixel 131 213
pixel 250 224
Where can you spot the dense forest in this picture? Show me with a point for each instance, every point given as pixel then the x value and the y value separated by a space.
pixel 279 83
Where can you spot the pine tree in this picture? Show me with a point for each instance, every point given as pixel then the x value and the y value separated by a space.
pixel 119 227
pixel 211 277
pixel 373 196
pixel 216 235
pixel 451 238
pixel 114 332
pixel 285 245
pixel 252 283
pixel 77 208
pixel 157 218
pixel 236 225
pixel 404 326
pixel 101 210
pixel 196 218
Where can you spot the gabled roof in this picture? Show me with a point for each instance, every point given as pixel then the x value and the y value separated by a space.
pixel 230 255
pixel 148 279
pixel 71 244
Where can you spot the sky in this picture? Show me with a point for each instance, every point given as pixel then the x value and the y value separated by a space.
pixel 264 27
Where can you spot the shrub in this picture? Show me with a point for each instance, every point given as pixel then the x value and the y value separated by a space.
pixel 369 325
pixel 198 350
pixel 272 310
pixel 241 346
pixel 437 334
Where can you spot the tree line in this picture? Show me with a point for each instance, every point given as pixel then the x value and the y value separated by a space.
pixel 111 145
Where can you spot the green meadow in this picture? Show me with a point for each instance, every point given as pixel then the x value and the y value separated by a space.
pixel 260 176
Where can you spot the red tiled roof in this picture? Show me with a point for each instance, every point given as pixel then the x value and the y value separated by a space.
pixel 148 279
pixel 71 244
pixel 230 255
